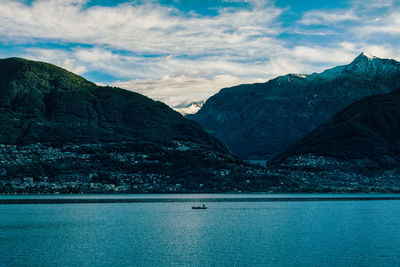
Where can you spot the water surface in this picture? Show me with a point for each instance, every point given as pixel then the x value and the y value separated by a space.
pixel 318 233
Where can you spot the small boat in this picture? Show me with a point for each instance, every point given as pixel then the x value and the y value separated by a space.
pixel 199 207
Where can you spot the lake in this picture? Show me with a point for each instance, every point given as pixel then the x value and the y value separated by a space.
pixel 239 233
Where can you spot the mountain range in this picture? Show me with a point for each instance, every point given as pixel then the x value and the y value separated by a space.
pixel 259 121
pixel 332 131
pixel 57 127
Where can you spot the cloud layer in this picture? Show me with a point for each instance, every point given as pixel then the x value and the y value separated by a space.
pixel 177 56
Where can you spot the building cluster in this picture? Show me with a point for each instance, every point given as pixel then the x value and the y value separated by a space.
pixel 110 168
pixel 313 173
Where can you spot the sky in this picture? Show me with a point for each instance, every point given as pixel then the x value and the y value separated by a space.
pixel 178 51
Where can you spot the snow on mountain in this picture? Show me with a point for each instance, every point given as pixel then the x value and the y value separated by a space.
pixel 363 64
pixel 368 55
pixel 192 108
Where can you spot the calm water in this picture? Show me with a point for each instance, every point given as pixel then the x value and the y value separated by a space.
pixel 318 233
pixel 191 196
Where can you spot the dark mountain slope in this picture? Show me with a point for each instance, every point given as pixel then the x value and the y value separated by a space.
pixel 71 135
pixel 261 120
pixel 367 132
pixel 358 150
pixel 41 102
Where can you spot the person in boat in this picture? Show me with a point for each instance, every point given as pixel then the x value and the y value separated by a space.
pixel 199 207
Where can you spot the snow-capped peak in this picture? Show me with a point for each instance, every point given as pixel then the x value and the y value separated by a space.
pixel 366 63
pixel 364 58
pixel 362 64
pixel 367 55
pixel 192 108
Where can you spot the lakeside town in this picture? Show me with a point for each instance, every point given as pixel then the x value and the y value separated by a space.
pixel 124 171
pixel 121 168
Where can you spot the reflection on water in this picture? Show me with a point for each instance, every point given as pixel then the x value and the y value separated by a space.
pixel 240 233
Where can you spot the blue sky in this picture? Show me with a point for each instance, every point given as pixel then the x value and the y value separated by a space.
pixel 180 51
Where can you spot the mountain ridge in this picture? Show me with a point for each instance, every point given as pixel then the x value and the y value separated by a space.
pixel 357 149
pixel 55 95
pixel 258 121
pixel 366 130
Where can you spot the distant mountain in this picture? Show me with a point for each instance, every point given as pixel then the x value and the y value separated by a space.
pixel 361 140
pixel 56 126
pixel 192 108
pixel 258 121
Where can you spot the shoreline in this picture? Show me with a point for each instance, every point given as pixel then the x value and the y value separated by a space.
pixel 200 199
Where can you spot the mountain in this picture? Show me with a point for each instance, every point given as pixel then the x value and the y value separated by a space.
pixel 258 121
pixel 39 99
pixel 360 145
pixel 56 128
pixel 192 108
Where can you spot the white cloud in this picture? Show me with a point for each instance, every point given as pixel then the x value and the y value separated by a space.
pixel 175 80
pixel 148 28
pixel 57 57
pixel 372 4
pixel 389 24
pixel 157 41
pixel 381 51
pixel 166 88
pixel 322 55
pixel 317 17
pixel 179 57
